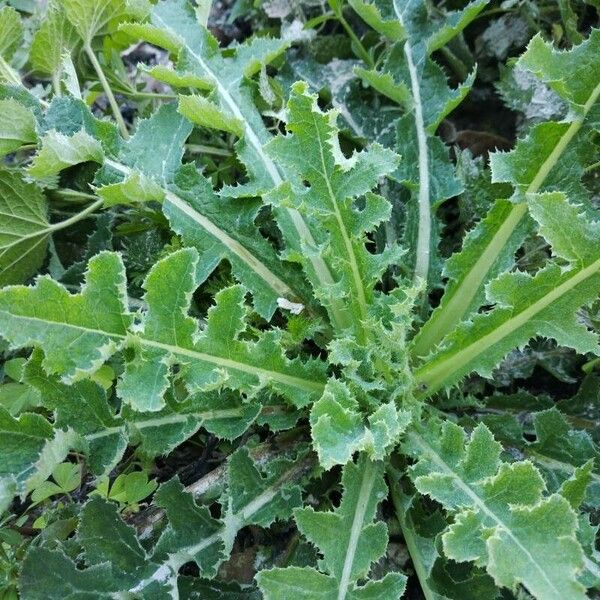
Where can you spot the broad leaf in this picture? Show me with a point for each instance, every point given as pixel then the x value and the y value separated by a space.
pixel 411 78
pixel 332 182
pixel 17 126
pixel 96 323
pixel 31 449
pixel 549 158
pixel 526 306
pixel 219 228
pixel 25 228
pixel 119 564
pixel 55 36
pixel 59 151
pixel 94 17
pixel 502 519
pixel 173 26
pixel 11 31
pixel 349 542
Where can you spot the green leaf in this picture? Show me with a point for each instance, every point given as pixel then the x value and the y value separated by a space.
pixel 551 157
pixel 332 183
pixel 70 116
pixel 52 570
pixel 55 36
pixel 135 188
pixel 409 77
pixel 59 151
pixel 463 296
pixel 48 316
pixel 96 323
pixel 25 228
pixel 17 126
pixel 348 540
pixel 560 450
pixel 221 358
pixel 176 79
pixel 338 429
pixel 31 449
pixel 119 563
pixel 94 17
pixel 501 519
pixel 173 25
pixel 217 227
pixel 381 17
pixel 521 166
pixel 439 577
pixel 83 407
pixel 569 73
pixel 11 31
pixel 67 477
pixel 131 488
pixel 201 111
pixel 544 304
pixel 105 433
pixel 221 229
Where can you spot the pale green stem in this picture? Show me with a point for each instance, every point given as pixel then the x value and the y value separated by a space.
pixel 424 229
pixel 423 248
pixel 107 90
pixel 150 95
pixel 77 217
pixel 69 193
pixel 56 83
pixel 366 488
pixel 435 373
pixel 360 49
pixel 408 533
pixel 9 74
pixel 203 149
pixel 589 366
pixel 455 309
pixel 457 65
pixel 253 262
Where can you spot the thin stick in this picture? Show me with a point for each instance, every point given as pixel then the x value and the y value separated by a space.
pixel 107 90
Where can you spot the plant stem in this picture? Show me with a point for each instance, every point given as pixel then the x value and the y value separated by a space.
pixel 77 217
pixel 359 48
pixel 56 83
pixel 409 534
pixel 589 366
pixel 358 522
pixel 442 369
pixel 462 294
pixel 150 95
pixel 69 193
pixel 9 74
pixel 203 149
pixel 424 229
pixel 107 90
pixel 458 66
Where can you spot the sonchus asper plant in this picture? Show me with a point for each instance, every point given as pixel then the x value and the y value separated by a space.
pixel 313 335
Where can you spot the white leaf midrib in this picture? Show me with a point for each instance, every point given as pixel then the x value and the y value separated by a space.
pixel 437 371
pixel 288 380
pixel 250 260
pixel 479 503
pixel 366 487
pixel 320 267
